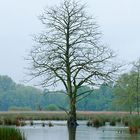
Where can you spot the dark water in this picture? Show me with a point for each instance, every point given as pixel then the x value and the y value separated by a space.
pixel 60 132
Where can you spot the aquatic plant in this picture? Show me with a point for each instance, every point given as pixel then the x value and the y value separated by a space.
pixel 43 124
pixel 31 123
pixel 97 122
pixel 89 123
pixel 50 124
pixel 113 123
pixel 126 123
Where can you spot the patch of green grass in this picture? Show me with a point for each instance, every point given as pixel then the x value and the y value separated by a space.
pixel 7 133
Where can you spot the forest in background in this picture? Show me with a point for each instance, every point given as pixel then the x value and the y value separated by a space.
pixel 15 96
pixel 20 97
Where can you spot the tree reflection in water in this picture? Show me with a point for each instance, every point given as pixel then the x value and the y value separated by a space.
pixel 72 133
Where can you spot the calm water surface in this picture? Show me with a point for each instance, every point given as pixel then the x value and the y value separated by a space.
pixel 60 132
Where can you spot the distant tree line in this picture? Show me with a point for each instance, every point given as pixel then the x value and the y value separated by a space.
pixel 19 97
pixel 122 95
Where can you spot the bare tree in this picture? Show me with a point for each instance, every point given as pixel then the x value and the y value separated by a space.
pixel 69 51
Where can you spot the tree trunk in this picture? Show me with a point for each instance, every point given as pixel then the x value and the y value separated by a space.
pixel 72 133
pixel 72 119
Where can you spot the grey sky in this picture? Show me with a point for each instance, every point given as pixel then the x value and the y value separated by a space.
pixel 118 19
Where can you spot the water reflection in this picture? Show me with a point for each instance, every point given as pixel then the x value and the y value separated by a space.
pixel 72 133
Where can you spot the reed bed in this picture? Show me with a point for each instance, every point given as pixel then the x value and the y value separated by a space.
pixel 56 115
pixel 14 117
pixel 131 121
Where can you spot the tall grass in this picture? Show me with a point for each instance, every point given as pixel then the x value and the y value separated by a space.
pixel 7 133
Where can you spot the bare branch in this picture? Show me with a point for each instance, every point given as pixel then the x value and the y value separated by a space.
pixel 69 51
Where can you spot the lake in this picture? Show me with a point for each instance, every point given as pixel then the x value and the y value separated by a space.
pixel 60 132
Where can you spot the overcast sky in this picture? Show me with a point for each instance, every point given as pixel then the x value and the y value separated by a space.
pixel 119 21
